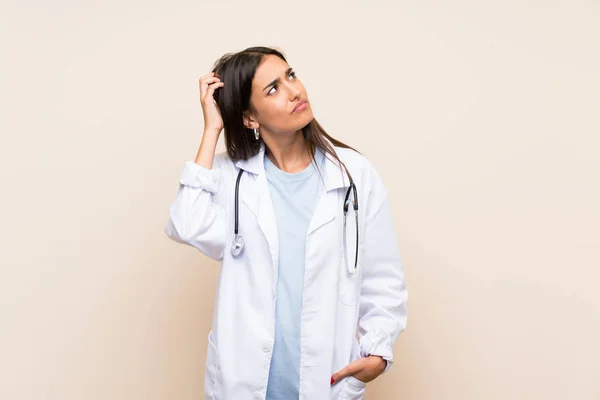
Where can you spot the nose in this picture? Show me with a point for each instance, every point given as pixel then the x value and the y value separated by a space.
pixel 294 90
pixel 294 95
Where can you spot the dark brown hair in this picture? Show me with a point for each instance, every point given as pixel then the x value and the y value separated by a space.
pixel 237 71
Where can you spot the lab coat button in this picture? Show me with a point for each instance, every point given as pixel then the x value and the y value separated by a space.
pixel 266 347
pixel 256 396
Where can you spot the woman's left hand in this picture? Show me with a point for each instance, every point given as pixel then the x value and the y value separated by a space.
pixel 364 369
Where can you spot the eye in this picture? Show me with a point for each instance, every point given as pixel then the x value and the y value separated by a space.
pixel 292 74
pixel 274 87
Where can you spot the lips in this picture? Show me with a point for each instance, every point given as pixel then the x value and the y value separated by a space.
pixel 301 102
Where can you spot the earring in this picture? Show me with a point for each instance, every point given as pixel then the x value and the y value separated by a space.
pixel 255 133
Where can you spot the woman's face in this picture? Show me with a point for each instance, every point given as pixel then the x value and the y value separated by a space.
pixel 276 91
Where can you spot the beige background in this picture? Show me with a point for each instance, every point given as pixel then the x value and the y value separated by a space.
pixel 481 116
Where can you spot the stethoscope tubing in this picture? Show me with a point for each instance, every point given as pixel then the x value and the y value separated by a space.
pixel 238 242
pixel 352 188
pixel 237 190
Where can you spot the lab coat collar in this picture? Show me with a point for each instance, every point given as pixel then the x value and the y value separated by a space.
pixel 334 177
pixel 254 164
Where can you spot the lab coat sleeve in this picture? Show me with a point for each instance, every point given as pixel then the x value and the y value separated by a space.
pixel 197 215
pixel 383 298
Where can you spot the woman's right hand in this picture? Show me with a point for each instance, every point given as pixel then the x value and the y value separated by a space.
pixel 212 116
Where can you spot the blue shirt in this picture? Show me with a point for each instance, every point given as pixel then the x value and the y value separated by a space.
pixel 294 197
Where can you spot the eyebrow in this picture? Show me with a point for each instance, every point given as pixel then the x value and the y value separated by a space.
pixel 278 80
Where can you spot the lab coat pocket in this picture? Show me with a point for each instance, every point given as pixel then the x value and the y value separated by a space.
pixel 212 370
pixel 354 390
pixel 350 282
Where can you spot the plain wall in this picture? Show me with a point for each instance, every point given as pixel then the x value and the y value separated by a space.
pixel 481 116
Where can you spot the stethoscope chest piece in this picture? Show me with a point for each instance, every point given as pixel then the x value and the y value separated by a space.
pixel 237 245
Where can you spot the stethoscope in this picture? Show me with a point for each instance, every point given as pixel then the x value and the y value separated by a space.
pixel 238 243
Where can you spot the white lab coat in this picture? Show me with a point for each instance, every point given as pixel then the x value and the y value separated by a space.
pixel 344 316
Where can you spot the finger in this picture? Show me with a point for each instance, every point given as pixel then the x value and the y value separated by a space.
pixel 350 369
pixel 209 90
pixel 205 81
pixel 213 87
pixel 204 84
pixel 209 80
pixel 207 76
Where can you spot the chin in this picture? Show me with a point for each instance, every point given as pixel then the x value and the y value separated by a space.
pixel 301 126
pixel 297 123
pixel 307 116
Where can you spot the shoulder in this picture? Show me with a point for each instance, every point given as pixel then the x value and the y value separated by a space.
pixel 359 166
pixel 225 163
pixel 364 174
pixel 223 158
pixel 223 167
pixel 351 157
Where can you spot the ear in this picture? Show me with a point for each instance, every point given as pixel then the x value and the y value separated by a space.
pixel 249 121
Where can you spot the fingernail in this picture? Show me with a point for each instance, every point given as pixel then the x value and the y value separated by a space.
pixel 332 380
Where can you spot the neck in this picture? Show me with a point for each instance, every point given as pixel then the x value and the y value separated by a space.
pixel 289 153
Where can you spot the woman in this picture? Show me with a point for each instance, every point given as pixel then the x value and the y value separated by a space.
pixel 307 307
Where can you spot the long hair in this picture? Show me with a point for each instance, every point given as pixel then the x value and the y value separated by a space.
pixel 237 71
